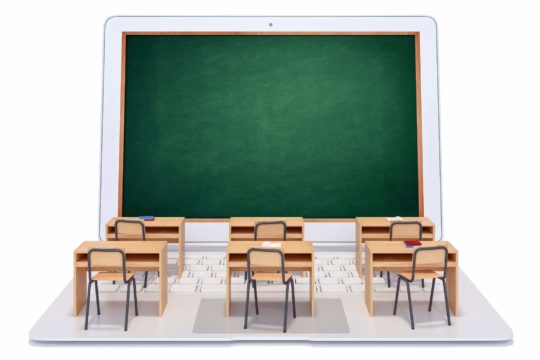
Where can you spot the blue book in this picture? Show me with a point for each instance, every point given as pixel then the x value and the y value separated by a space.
pixel 147 217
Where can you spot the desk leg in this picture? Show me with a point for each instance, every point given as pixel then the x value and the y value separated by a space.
pixel 452 286
pixel 163 282
pixel 228 291
pixel 79 290
pixel 312 286
pixel 368 282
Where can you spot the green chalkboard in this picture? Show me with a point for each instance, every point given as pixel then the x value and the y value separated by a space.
pixel 317 126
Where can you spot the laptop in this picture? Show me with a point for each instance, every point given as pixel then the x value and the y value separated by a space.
pixel 195 309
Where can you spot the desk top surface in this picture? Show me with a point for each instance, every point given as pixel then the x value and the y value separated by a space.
pixel 398 247
pixel 157 222
pixel 383 222
pixel 288 247
pixel 131 247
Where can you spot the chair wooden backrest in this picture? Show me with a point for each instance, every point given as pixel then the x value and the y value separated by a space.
pixel 270 230
pixel 430 258
pixel 266 258
pixel 129 230
pixel 406 230
pixel 108 259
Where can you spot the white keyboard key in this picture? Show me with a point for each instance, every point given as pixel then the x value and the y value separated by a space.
pixel 211 261
pixel 331 268
pixel 212 281
pixel 213 288
pixel 218 268
pixel 301 288
pixel 333 288
pixel 303 280
pixel 339 274
pixel 328 280
pixel 170 280
pixel 223 274
pixel 238 288
pixel 183 288
pixel 378 280
pixel 172 261
pixel 349 267
pixel 357 287
pixel 320 274
pixel 341 262
pixel 197 267
pixel 236 280
pixel 192 261
pixel 202 274
pixel 153 288
pixel 188 281
pixel 172 254
pixel 352 280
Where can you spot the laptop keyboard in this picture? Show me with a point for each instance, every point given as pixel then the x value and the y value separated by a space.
pixel 205 272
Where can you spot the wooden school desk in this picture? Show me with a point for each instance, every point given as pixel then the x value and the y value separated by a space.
pixel 243 228
pixel 395 257
pixel 378 229
pixel 140 256
pixel 169 229
pixel 299 256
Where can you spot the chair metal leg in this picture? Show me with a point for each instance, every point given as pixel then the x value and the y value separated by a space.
pixel 410 304
pixel 245 275
pixel 388 278
pixel 127 306
pixel 286 307
pixel 87 305
pixel 293 299
pixel 381 274
pixel 135 295
pixel 397 294
pixel 97 299
pixel 431 296
pixel 145 279
pixel 256 298
pixel 247 304
pixel 446 301
pixel 423 284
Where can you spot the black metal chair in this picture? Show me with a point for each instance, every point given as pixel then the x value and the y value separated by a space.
pixel 131 230
pixel 404 230
pixel 269 231
pixel 261 266
pixel 426 263
pixel 110 259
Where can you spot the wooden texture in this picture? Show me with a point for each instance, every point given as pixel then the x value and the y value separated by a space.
pixel 140 256
pixel 169 229
pixel 395 257
pixel 299 256
pixel 314 114
pixel 378 229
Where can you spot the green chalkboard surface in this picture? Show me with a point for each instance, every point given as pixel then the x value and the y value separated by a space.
pixel 317 126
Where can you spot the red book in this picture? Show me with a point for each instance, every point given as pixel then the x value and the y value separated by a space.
pixel 412 242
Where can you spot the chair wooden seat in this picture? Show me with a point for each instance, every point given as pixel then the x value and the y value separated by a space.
pixel 261 276
pixel 421 274
pixel 111 276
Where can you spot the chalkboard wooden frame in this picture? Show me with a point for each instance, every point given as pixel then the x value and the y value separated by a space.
pixel 263 33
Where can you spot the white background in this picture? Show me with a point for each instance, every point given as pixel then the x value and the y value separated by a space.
pixel 50 103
